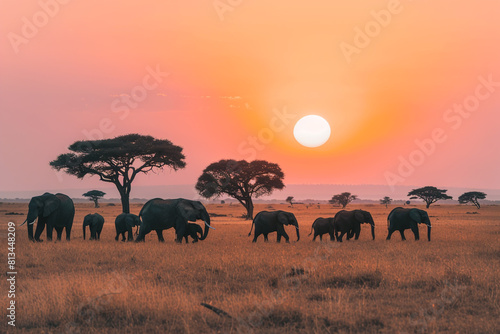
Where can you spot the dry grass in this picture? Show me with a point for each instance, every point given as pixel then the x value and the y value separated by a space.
pixel 448 285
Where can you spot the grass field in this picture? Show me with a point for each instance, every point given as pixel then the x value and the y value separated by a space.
pixel 448 285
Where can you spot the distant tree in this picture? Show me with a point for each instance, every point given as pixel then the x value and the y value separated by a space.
pixel 343 199
pixel 94 195
pixel 386 200
pixel 289 199
pixel 240 180
pixel 472 197
pixel 119 160
pixel 429 194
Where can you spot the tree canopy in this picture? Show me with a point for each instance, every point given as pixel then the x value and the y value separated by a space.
pixel 472 197
pixel 343 199
pixel 386 200
pixel 429 194
pixel 119 160
pixel 240 180
pixel 94 196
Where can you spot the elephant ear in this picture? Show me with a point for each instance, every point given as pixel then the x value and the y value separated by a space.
pixel 415 215
pixel 359 217
pixel 186 210
pixel 50 205
pixel 283 218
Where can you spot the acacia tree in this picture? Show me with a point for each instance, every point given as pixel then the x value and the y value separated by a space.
pixel 429 194
pixel 289 199
pixel 386 200
pixel 94 195
pixel 472 197
pixel 119 160
pixel 343 199
pixel 240 180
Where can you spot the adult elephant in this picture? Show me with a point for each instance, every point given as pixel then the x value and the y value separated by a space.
pixel 125 222
pixel 56 211
pixel 401 219
pixel 322 226
pixel 273 221
pixel 95 222
pixel 350 222
pixel 161 214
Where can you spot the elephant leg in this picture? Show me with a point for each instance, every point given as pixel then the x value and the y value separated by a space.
pixel 256 235
pixel 160 236
pixel 339 239
pixel 195 237
pixel 180 232
pixel 402 232
pixel 265 238
pixel 321 237
pixel 415 232
pixel 123 236
pixel 59 231
pixel 389 234
pixel 287 239
pixel 315 235
pixel 117 235
pixel 332 236
pixel 358 231
pixel 68 233
pixel 278 238
pixel 39 229
pixel 49 232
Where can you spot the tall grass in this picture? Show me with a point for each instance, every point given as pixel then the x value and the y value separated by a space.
pixel 447 285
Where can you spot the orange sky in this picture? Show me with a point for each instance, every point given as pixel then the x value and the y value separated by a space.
pixel 227 78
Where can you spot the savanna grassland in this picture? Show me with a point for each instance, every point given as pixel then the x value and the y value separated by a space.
pixel 449 285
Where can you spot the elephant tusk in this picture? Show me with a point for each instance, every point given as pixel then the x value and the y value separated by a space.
pixel 213 228
pixel 24 222
pixel 32 222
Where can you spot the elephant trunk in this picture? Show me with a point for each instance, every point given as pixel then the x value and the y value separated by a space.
pixel 298 234
pixel 429 232
pixel 30 220
pixel 373 231
pixel 83 232
pixel 206 219
pixel 30 231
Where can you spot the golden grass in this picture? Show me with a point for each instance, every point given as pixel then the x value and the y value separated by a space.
pixel 448 285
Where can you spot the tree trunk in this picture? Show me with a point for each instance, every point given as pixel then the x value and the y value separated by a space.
pixel 96 202
pixel 428 204
pixel 124 197
pixel 249 207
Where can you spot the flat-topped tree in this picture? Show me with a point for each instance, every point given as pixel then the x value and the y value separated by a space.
pixel 119 160
pixel 386 200
pixel 94 196
pixel 429 194
pixel 472 197
pixel 241 180
pixel 343 199
pixel 289 199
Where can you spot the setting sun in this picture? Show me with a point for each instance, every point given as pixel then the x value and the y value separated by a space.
pixel 312 131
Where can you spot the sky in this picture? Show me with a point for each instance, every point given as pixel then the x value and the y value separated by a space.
pixel 411 89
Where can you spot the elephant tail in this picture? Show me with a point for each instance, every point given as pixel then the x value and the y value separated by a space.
pixel 251 228
pixel 312 226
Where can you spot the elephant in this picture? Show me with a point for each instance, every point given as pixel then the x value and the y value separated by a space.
pixel 322 226
pixel 56 211
pixel 350 222
pixel 193 230
pixel 95 222
pixel 161 214
pixel 401 219
pixel 272 221
pixel 125 222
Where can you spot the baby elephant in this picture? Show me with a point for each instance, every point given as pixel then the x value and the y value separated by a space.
pixel 322 226
pixel 125 222
pixel 193 230
pixel 95 222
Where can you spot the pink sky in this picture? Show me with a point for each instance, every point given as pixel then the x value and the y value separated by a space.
pixel 228 79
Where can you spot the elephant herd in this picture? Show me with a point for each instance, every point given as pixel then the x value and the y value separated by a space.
pixel 349 222
pixel 58 211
